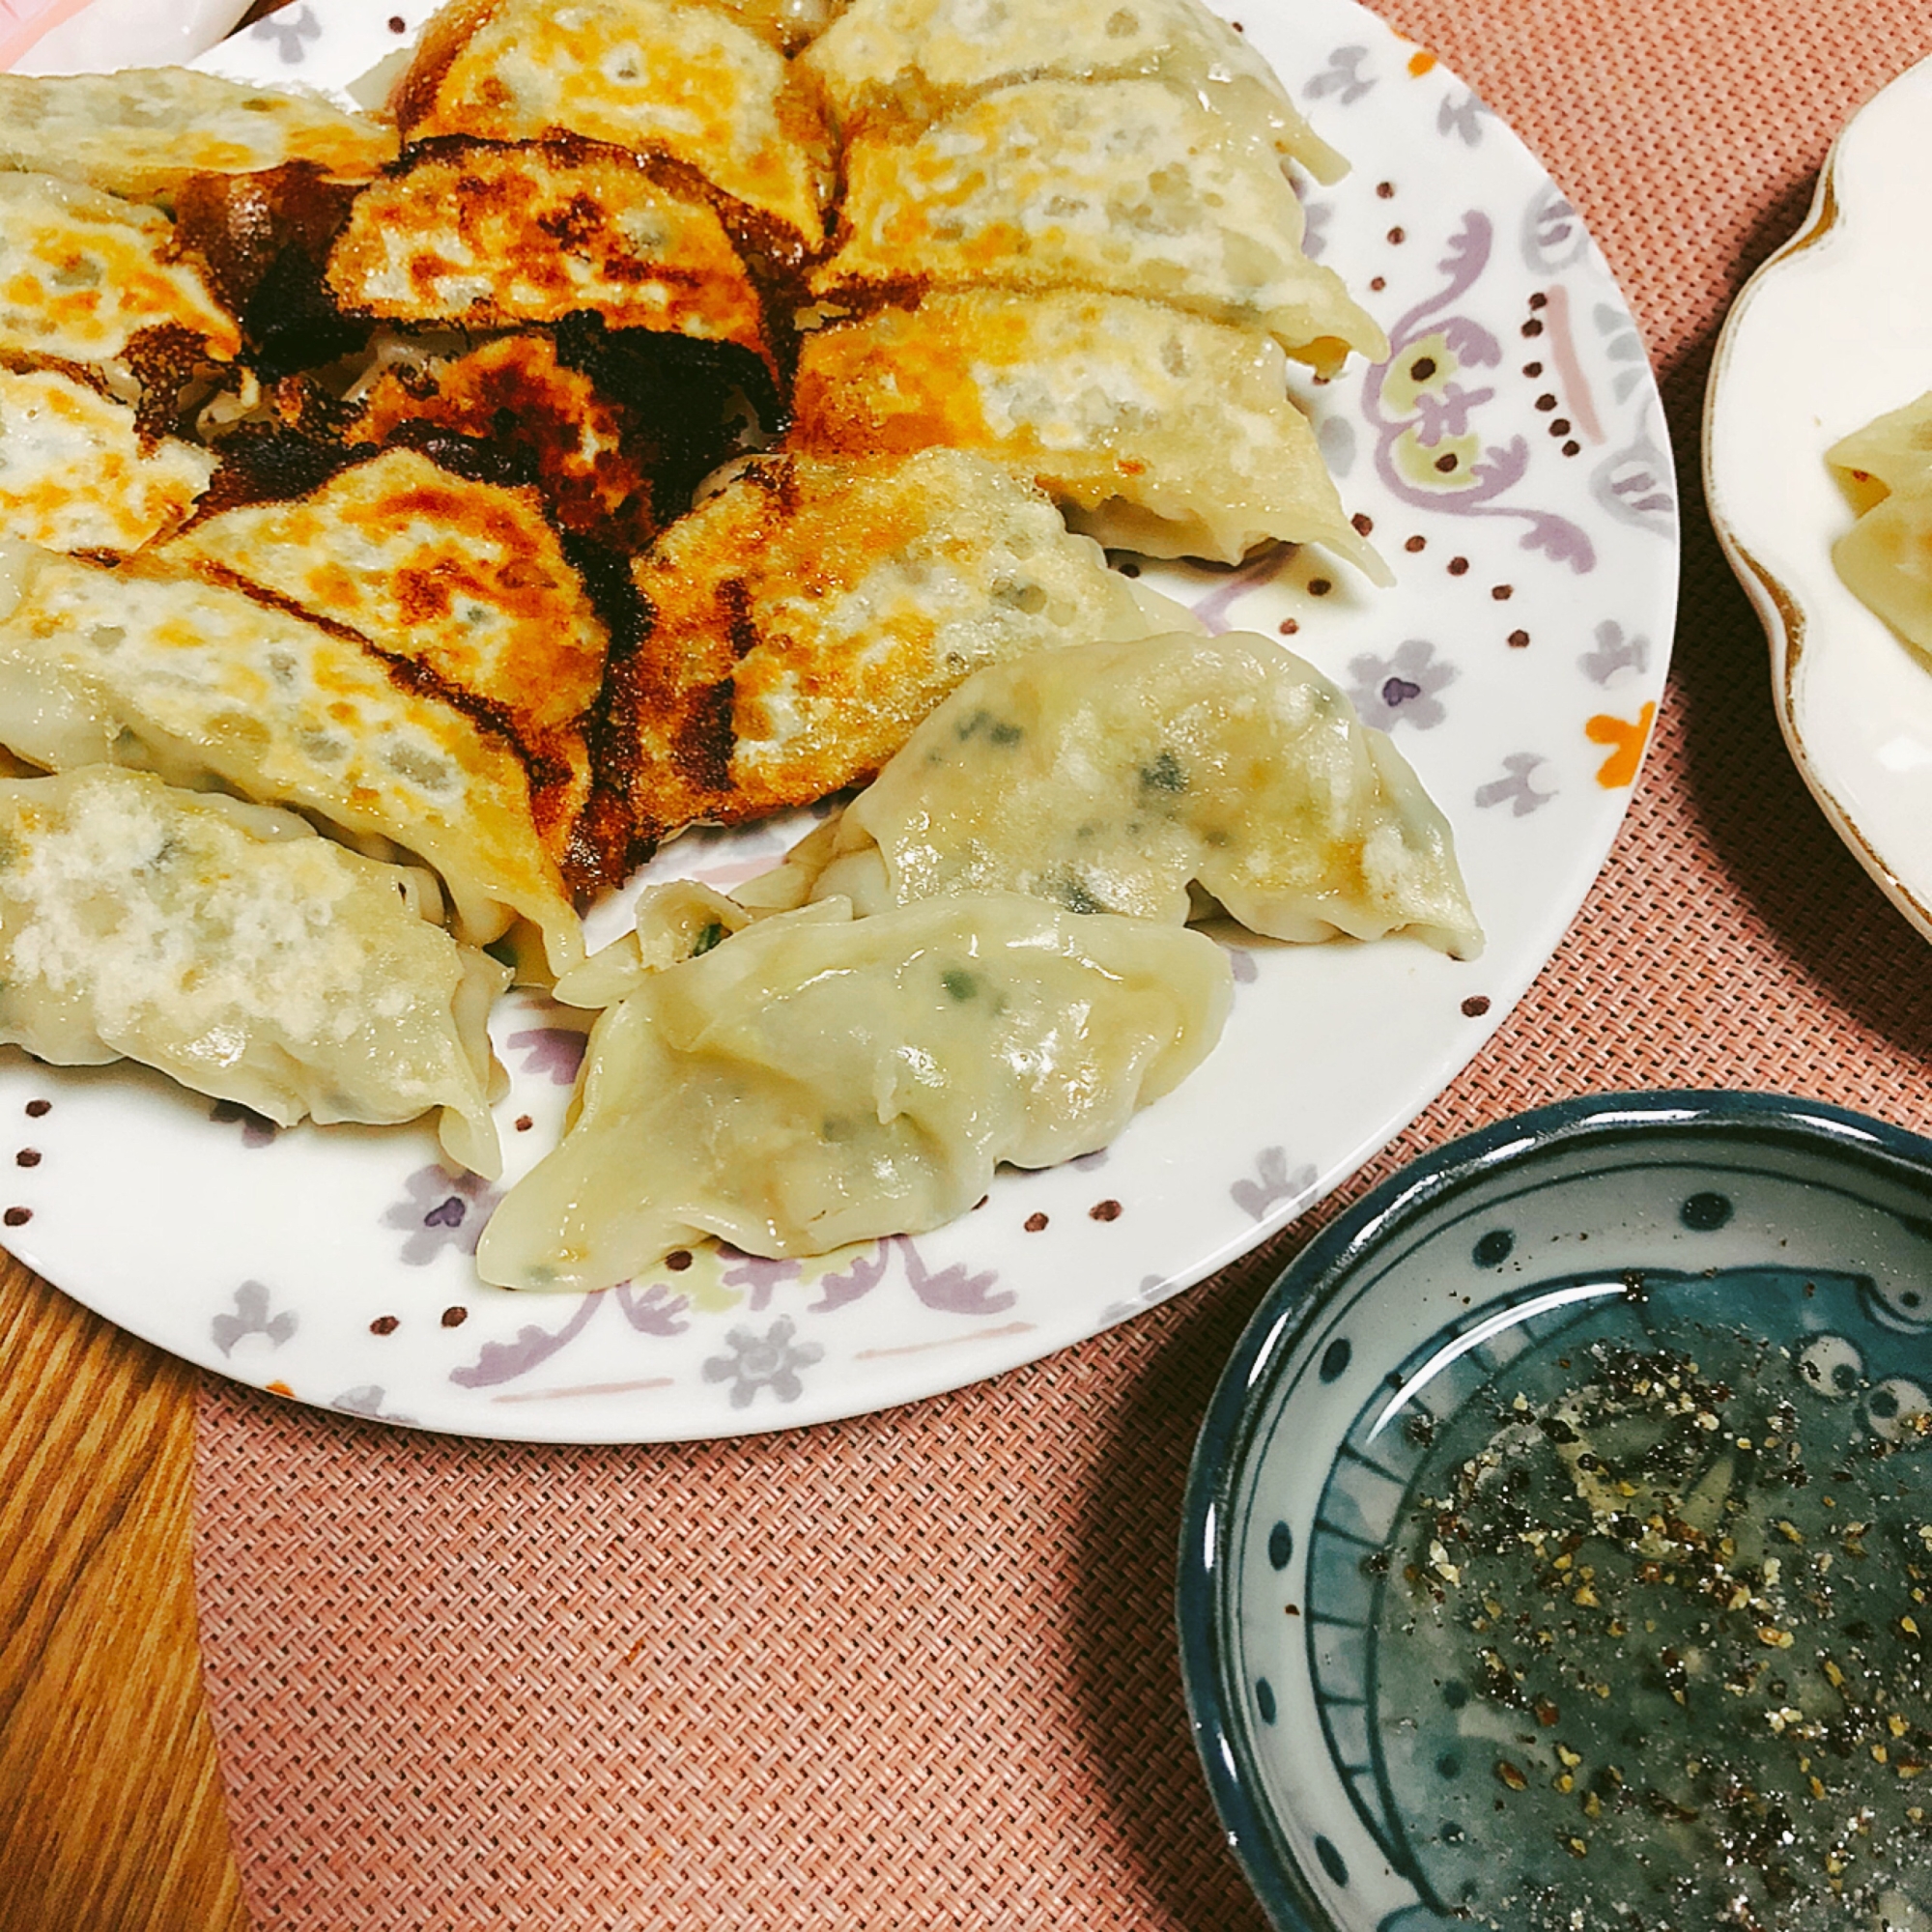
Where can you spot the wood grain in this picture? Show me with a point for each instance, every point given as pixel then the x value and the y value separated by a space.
pixel 111 1815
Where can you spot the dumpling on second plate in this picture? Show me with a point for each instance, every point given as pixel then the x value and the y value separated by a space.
pixel 1114 777
pixel 816 1079
pixel 238 952
pixel 1886 558
pixel 1128 187
pixel 1160 432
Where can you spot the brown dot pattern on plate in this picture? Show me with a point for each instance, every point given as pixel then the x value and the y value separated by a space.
pixel 1397 237
pixel 1539 301
pixel 1378 283
pixel 37 1108
pixel 1546 400
pixel 1532 368
pixel 1104 1210
pixel 1459 566
pixel 18 1217
pixel 397 25
pixel 1422 368
pixel 1445 463
pixel 1570 448
pixel 1416 543
pixel 1475 1006
pixel 1385 191
pixel 1532 327
pixel 385 1325
pixel 455 1318
pixel 1518 640
pixel 1363 522
pixel 1502 592
pixel 1288 627
pixel 1318 586
pixel 1560 427
pixel 678 1259
pixel 524 1123
pixel 1035 1222
pixel 27 1157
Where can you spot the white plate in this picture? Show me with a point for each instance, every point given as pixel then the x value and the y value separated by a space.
pixel 1832 330
pixel 335 1265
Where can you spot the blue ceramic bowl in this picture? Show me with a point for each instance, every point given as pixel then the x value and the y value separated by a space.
pixel 1555 1538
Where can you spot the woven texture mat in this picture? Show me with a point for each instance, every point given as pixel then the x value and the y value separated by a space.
pixel 918 1670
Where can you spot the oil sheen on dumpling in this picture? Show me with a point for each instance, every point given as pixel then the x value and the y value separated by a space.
pixel 1108 778
pixel 815 1080
pixel 76 473
pixel 239 953
pixel 1128 187
pixel 138 666
pixel 809 614
pixel 1161 432
pixel 1886 558
pixel 669 78
pixel 145 130
pixel 908 62
pixel 494 236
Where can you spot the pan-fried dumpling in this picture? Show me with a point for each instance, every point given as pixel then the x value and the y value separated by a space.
pixel 1886 558
pixel 814 1080
pixel 1111 777
pixel 75 475
pixel 464 578
pixel 909 62
pixel 238 952
pixel 87 276
pixel 143 132
pixel 1128 187
pixel 809 614
pixel 138 666
pixel 1161 432
pixel 489 237
pixel 669 78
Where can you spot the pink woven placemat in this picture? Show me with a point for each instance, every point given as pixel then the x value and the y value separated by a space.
pixel 918 1670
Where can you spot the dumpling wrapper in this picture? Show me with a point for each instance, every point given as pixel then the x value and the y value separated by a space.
pixel 138 666
pixel 815 1080
pixel 810 612
pixel 145 130
pixel 1127 187
pixel 1160 432
pixel 906 63
pixel 88 275
pixel 661 78
pixel 490 237
pixel 240 954
pixel 466 579
pixel 1110 777
pixel 1886 558
pixel 76 475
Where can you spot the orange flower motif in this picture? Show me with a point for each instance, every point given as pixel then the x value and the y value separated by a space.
pixel 1420 62
pixel 1620 767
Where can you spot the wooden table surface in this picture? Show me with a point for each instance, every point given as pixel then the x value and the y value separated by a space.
pixel 111 1811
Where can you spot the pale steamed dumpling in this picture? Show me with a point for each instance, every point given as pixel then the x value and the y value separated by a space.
pixel 1886 558
pixel 1110 777
pixel 237 951
pixel 815 1079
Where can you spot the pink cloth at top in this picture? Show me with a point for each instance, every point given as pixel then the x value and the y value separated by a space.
pixel 918 1670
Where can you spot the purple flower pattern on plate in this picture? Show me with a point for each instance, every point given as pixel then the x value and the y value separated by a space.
pixel 768 1361
pixel 1402 687
pixel 441 1211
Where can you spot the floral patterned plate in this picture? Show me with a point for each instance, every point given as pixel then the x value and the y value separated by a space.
pixel 1832 330
pixel 1511 461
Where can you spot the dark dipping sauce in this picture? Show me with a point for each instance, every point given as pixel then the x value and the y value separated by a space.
pixel 1647 1643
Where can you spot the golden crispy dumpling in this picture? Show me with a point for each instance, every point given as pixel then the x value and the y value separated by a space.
pixel 910 62
pixel 595 466
pixel 1160 430
pixel 670 77
pixel 1112 777
pixel 87 276
pixel 143 665
pixel 817 1079
pixel 465 579
pixel 143 132
pixel 1128 187
pixel 807 616
pixel 489 237
pixel 75 475
pixel 230 947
